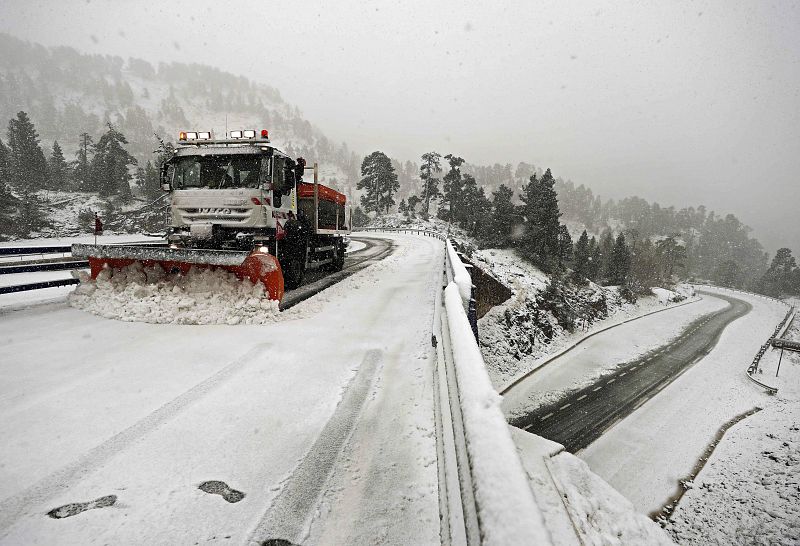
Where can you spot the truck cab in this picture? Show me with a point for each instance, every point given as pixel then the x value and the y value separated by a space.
pixel 243 193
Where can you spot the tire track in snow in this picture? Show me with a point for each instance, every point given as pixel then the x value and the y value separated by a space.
pixel 12 508
pixel 291 509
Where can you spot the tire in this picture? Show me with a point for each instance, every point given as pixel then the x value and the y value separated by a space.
pixel 293 272
pixel 338 260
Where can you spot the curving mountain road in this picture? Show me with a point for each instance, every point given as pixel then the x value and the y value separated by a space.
pixel 578 419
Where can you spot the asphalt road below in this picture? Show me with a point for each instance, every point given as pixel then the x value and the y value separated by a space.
pixel 581 417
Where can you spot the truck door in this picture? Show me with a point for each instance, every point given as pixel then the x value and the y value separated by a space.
pixel 282 183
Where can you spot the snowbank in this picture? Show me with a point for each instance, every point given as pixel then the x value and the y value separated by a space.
pixel 149 294
pixel 600 514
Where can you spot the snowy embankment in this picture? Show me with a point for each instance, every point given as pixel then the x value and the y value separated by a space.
pixel 508 333
pixel 748 492
pixel 149 413
pixel 648 453
pixel 579 507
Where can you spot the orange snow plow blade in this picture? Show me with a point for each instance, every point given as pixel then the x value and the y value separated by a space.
pixel 257 266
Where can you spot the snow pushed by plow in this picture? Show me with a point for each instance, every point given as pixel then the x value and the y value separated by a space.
pixel 136 293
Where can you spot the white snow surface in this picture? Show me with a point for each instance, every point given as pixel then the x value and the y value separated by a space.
pixel 602 516
pixel 148 294
pixel 748 492
pixel 92 407
pixel 648 453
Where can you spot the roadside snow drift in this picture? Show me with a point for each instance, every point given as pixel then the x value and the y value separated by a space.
pixel 148 294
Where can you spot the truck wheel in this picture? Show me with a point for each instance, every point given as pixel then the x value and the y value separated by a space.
pixel 338 260
pixel 293 272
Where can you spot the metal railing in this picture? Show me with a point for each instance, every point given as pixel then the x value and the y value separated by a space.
pixel 494 502
pixel 64 263
pixel 753 368
pixel 410 231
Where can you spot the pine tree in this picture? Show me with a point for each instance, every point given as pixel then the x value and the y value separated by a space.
pixel 413 201
pixel 503 218
pixel 606 247
pixel 431 165
pixel 620 263
pixel 148 181
pixel 595 260
pixel 380 182
pixel 540 209
pixel 564 245
pixel 81 172
pixel 453 187
pixel 5 173
pixel 727 273
pixel 671 256
pixel 402 208
pixel 8 203
pixel 27 165
pixel 779 279
pixel 581 263
pixel 58 168
pixel 360 218
pixel 109 167
pixel 645 270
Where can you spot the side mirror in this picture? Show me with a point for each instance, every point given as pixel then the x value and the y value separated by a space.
pixel 299 169
pixel 164 177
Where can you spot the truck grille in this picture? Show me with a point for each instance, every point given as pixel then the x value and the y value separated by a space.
pixel 223 214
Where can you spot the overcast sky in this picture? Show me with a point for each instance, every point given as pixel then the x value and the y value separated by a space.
pixel 679 102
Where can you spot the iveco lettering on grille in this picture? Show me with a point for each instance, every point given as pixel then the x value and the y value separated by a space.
pixel 214 211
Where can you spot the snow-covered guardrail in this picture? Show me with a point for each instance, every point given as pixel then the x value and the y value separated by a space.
pixel 411 231
pixel 752 369
pixel 494 504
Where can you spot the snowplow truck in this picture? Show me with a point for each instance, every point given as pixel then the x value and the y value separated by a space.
pixel 242 205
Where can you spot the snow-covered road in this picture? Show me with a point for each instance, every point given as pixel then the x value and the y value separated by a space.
pixel 329 409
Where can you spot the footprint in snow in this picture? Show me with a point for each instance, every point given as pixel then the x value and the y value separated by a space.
pixel 222 489
pixel 76 508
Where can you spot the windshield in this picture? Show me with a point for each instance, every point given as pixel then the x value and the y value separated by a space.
pixel 218 171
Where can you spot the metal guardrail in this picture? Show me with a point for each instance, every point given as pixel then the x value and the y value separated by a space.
pixel 27 267
pixel 495 503
pixel 411 231
pixel 763 349
pixel 31 250
pixel 50 266
pixel 37 285
pixel 754 365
